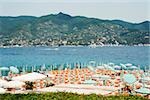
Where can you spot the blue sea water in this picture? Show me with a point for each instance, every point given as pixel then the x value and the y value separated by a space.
pixel 137 55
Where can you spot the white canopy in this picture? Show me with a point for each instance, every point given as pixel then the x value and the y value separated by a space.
pixel 14 84
pixel 29 77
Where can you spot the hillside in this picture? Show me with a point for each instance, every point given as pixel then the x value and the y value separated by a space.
pixel 58 29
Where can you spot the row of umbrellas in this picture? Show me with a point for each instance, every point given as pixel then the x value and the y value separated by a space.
pixel 109 66
pixel 11 68
pixel 112 66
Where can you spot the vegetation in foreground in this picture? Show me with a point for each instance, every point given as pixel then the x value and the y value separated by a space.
pixel 65 96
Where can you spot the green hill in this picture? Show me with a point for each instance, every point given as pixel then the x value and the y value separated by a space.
pixel 55 28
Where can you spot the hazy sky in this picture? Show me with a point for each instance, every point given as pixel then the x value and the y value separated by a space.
pixel 128 10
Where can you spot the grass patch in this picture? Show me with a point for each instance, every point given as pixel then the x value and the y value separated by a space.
pixel 65 96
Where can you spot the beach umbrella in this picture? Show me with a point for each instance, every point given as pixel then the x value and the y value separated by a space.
pixel 117 67
pixel 110 68
pixel 14 84
pixel 105 65
pixel 143 90
pixel 30 77
pixel 89 82
pixel 2 90
pixel 92 63
pixel 129 78
pixel 133 67
pixel 91 68
pixel 111 64
pixel 128 64
pixel 4 68
pixel 123 66
pixel 43 67
pixel 14 69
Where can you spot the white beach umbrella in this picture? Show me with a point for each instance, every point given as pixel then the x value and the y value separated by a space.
pixel 92 62
pixel 43 67
pixel 133 67
pixel 117 67
pixel 4 68
pixel 2 90
pixel 123 66
pixel 110 68
pixel 128 64
pixel 14 84
pixel 14 69
pixel 30 77
pixel 111 64
pixel 91 68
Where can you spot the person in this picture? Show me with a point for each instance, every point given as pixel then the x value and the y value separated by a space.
pixel 129 89
pixel 48 81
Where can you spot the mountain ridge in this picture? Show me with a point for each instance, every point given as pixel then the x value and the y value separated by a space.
pixel 56 28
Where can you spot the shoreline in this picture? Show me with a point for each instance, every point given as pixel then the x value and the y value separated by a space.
pixel 56 46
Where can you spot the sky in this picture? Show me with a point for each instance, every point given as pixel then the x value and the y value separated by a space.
pixel 128 10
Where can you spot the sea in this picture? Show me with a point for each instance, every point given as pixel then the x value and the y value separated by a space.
pixel 36 56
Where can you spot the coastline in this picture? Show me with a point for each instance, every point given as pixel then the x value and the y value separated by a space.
pixel 55 46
